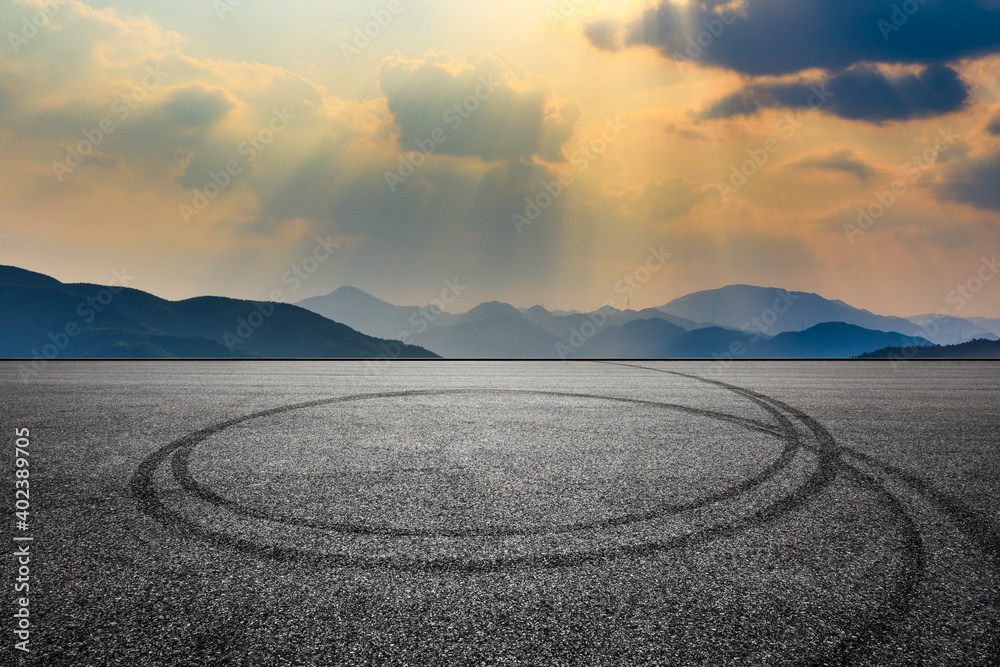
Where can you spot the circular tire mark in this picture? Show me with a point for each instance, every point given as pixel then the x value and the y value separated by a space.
pixel 869 633
pixel 179 453
pixel 181 461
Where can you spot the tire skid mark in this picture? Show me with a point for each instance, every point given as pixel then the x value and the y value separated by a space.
pixel 144 489
pixel 182 459
pixel 981 531
pixel 831 466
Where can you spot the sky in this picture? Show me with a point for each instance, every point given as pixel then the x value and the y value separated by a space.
pixel 534 152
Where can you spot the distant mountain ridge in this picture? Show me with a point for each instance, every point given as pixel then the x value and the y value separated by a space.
pixel 497 330
pixel 490 330
pixel 372 316
pixel 41 317
pixel 656 339
pixel 948 330
pixel 773 311
pixel 991 324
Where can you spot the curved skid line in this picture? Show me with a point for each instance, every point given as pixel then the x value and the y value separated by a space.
pixel 149 503
pixel 902 598
pixel 831 465
pixel 182 458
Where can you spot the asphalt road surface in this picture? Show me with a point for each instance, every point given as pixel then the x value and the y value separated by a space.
pixel 757 513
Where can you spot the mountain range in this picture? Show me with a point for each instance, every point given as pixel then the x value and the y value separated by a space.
pixel 41 317
pixel 774 311
pixel 657 339
pixel 738 321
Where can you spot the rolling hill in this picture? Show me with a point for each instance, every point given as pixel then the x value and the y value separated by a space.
pixel 41 317
pixel 973 349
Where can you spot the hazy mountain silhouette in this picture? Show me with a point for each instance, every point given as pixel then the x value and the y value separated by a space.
pixel 638 339
pixel 651 339
pixel 832 340
pixel 660 314
pixel 564 325
pixel 369 315
pixel 973 349
pixel 498 330
pixel 991 324
pixel 38 314
pixel 486 311
pixel 948 330
pixel 490 331
pixel 774 311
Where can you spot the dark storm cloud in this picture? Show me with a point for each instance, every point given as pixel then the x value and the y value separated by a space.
pixel 862 93
pixel 973 182
pixel 843 160
pixel 775 37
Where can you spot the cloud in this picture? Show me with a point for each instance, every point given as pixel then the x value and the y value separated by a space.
pixel 91 68
pixel 843 160
pixel 862 93
pixel 77 38
pixel 455 212
pixel 777 37
pixel 323 173
pixel 483 106
pixel 994 127
pixel 685 133
pixel 604 33
pixel 957 151
pixel 197 106
pixel 973 182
